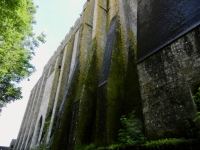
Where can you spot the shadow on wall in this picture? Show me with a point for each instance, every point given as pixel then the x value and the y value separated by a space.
pixel 38 131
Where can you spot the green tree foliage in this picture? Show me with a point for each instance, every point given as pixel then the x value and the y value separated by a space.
pixel 17 43
pixel 130 135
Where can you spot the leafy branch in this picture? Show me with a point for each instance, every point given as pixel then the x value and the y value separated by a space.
pixel 17 43
pixel 131 134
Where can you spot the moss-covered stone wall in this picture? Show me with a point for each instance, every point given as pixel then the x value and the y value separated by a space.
pixel 60 138
pixel 62 84
pixel 86 120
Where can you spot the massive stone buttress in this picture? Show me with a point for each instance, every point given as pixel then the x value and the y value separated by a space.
pixel 95 76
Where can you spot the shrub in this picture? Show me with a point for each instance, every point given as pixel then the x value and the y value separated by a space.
pixel 196 99
pixel 86 147
pixel 189 129
pixel 131 134
pixel 164 142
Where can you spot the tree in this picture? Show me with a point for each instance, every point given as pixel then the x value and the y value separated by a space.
pixel 17 43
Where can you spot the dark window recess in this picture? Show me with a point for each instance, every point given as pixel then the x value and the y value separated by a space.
pixel 161 22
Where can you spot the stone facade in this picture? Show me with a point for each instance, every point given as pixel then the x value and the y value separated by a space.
pixel 93 79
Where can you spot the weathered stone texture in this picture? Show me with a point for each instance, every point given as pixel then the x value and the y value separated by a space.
pixel 93 79
pixel 31 114
pixel 166 79
pixel 100 28
pixel 43 107
pixel 62 83
pixel 36 111
pixel 74 53
pixel 86 33
pixel 49 97
pixel 25 120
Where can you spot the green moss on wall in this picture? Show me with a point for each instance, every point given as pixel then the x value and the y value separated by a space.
pixel 88 95
pixel 60 138
pixel 115 87
pixel 162 144
pixel 45 131
pixel 68 61
pixel 84 73
pixel 86 37
pixel 62 132
pixel 132 95
pixel 101 110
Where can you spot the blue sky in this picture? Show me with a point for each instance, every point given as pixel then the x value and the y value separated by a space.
pixel 54 18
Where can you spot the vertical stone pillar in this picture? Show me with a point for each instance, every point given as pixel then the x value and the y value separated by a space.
pixel 50 104
pixel 36 109
pixel 20 134
pixel 85 101
pixel 29 120
pixel 74 53
pixel 132 7
pixel 50 71
pixel 111 86
pixel 113 10
pixel 34 125
pixel 100 28
pixel 85 43
pixel 62 83
pixel 26 116
pixel 47 100
pixel 55 83
pixel 86 35
pixel 59 134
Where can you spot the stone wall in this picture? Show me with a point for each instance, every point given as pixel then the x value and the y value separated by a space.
pixel 93 78
pixel 166 80
pixel 36 108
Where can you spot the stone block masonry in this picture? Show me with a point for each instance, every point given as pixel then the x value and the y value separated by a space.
pixel 93 78
pixel 166 80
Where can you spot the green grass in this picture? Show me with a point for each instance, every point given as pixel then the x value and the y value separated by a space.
pixel 165 142
pixel 93 147
pixel 86 147
pixel 157 144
